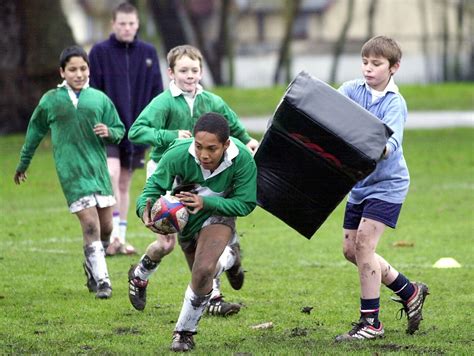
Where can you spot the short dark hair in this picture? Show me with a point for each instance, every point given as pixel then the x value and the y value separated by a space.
pixel 383 46
pixel 72 51
pixel 124 7
pixel 213 123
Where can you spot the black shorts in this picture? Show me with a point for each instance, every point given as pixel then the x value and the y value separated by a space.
pixel 129 160
pixel 375 209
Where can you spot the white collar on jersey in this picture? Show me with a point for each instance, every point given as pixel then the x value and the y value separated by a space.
pixel 175 91
pixel 72 94
pixel 231 152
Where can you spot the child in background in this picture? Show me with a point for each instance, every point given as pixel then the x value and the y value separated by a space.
pixel 172 115
pixel 376 201
pixel 126 69
pixel 81 120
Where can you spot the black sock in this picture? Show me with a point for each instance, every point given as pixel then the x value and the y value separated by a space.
pixel 148 264
pixel 402 287
pixel 369 311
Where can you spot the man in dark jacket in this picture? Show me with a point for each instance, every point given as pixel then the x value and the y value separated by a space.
pixel 128 71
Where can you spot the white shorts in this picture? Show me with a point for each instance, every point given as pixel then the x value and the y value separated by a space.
pixel 89 201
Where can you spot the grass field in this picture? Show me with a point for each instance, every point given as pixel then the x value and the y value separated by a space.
pixel 46 309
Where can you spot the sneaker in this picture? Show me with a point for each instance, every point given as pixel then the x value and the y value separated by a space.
pixel 114 247
pixel 182 341
pixel 235 274
pixel 362 330
pixel 413 306
pixel 91 284
pixel 104 291
pixel 136 289
pixel 219 307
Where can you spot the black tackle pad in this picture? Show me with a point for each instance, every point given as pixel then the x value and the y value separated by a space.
pixel 318 145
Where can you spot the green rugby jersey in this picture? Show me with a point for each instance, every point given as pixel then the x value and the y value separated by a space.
pixel 79 154
pixel 231 190
pixel 159 123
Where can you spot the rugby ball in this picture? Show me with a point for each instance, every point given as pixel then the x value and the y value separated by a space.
pixel 169 215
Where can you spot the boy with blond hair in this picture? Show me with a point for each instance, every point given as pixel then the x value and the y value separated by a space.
pixel 170 116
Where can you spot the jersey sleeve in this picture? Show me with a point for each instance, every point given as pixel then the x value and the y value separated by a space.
pixel 148 128
pixel 112 120
pixel 395 118
pixel 38 127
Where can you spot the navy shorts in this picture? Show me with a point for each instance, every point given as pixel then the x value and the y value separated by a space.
pixel 129 160
pixel 375 209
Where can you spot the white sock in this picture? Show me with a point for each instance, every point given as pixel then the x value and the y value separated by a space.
pixel 115 225
pixel 191 311
pixel 122 231
pixel 146 268
pixel 225 262
pixel 95 260
pixel 216 288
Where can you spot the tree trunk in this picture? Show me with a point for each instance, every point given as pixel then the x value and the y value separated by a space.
pixel 457 70
pixel 291 11
pixel 169 22
pixel 425 40
pixel 33 35
pixel 339 46
pixel 214 50
pixel 370 18
pixel 470 27
pixel 445 41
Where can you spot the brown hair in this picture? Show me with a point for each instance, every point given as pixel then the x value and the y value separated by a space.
pixel 185 50
pixel 384 47
pixel 126 8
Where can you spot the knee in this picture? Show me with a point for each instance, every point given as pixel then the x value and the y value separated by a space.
pixel 90 231
pixel 362 243
pixel 349 254
pixel 158 249
pixel 203 274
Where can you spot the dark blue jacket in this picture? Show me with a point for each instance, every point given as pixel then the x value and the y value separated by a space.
pixel 129 73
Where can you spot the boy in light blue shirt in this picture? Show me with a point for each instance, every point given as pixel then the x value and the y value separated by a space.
pixel 375 202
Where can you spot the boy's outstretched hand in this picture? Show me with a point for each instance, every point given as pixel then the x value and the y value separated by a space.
pixel 146 218
pixel 19 177
pixel 101 130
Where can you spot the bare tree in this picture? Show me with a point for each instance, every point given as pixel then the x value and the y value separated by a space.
pixel 341 41
pixel 425 40
pixel 33 35
pixel 291 12
pixel 470 27
pixel 214 48
pixel 460 11
pixel 445 40
pixel 370 18
pixel 170 22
